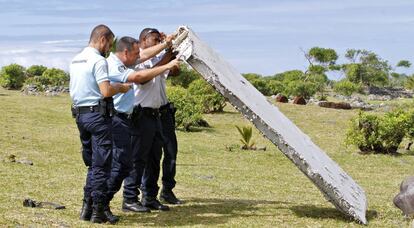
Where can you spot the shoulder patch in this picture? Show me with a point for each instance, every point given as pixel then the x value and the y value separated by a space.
pixel 122 68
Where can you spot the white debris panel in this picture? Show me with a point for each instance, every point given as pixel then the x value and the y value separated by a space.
pixel 337 186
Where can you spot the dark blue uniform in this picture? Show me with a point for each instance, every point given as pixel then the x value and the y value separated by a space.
pixel 147 141
pixel 170 146
pixel 87 70
pixel 121 123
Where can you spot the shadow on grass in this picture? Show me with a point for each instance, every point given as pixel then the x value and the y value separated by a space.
pixel 197 129
pixel 224 112
pixel 312 211
pixel 3 95
pixel 198 211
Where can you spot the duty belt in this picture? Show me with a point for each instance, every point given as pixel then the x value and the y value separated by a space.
pixel 151 111
pixel 124 115
pixel 86 109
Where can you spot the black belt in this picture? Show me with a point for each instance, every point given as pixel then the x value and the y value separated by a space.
pixel 87 109
pixel 150 111
pixel 124 115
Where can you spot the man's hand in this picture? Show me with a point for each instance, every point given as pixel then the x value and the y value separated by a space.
pixel 170 38
pixel 174 64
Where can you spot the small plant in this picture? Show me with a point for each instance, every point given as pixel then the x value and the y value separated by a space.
pixel 346 87
pixel 380 134
pixel 246 134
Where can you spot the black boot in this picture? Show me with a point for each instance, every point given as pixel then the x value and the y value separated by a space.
pixel 154 204
pixel 133 206
pixel 169 197
pixel 86 211
pixel 98 215
pixel 111 218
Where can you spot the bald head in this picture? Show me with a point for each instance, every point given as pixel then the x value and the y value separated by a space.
pixel 101 31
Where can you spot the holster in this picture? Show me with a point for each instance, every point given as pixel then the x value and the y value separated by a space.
pixel 106 107
pixel 73 111
pixel 136 115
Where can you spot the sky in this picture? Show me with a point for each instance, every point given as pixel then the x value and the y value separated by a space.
pixel 264 37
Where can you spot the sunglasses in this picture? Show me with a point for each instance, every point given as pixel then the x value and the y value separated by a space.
pixel 152 30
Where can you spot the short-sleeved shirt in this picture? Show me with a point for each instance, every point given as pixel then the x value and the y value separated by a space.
pixel 151 94
pixel 87 70
pixel 118 72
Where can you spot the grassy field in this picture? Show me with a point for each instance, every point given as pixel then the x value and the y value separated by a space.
pixel 221 188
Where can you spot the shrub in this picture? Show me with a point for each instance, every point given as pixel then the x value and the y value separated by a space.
pixel 380 134
pixel 189 110
pixel 35 70
pixel 185 76
pixel 211 100
pixel 300 88
pixel 12 76
pixel 275 87
pixel 346 87
pixel 54 77
pixel 261 85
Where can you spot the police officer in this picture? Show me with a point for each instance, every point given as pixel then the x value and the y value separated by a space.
pixel 120 63
pixel 91 95
pixel 167 117
pixel 147 139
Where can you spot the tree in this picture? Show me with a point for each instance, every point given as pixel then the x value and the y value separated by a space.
pixel 12 76
pixel 113 45
pixel 404 63
pixel 323 56
pixel 251 76
pixel 366 68
pixel 409 83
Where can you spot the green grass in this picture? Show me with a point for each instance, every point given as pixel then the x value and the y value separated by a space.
pixel 221 188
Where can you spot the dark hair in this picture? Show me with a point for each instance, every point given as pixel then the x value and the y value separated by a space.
pixel 101 31
pixel 146 31
pixel 125 42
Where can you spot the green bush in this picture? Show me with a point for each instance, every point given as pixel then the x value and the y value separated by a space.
pixel 35 70
pixel 211 100
pixel 275 87
pixel 379 134
pixel 185 77
pixel 261 85
pixel 189 110
pixel 54 77
pixel 35 81
pixel 346 87
pixel 300 88
pixel 12 76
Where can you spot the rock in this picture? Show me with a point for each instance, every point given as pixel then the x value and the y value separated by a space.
pixel 12 158
pixel 299 100
pixel 339 105
pixel 388 92
pixel 404 200
pixel 281 98
pixel 25 162
pixel 313 101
